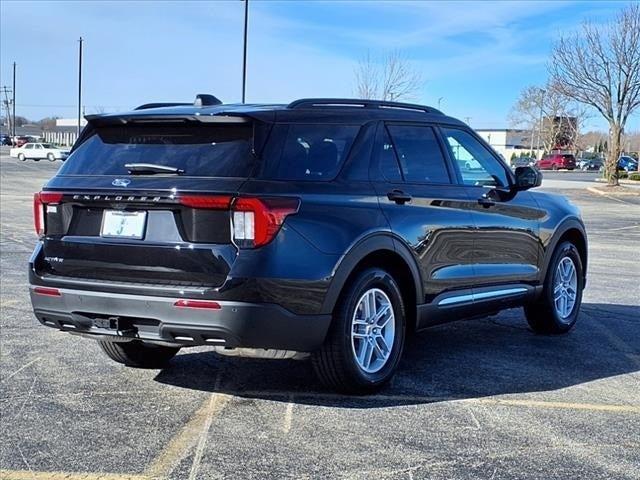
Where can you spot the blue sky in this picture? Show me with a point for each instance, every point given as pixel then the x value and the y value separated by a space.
pixel 477 56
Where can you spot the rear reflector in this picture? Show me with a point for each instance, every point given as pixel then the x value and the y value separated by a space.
pixel 197 304
pixel 49 292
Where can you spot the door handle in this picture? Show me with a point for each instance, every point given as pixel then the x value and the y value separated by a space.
pixel 486 201
pixel 399 197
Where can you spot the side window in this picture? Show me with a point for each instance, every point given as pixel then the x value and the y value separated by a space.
pixel 478 167
pixel 307 151
pixel 419 154
pixel 29 146
pixel 387 159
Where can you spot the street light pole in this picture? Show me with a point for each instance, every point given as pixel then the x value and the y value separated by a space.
pixel 13 125
pixel 244 56
pixel 439 100
pixel 79 86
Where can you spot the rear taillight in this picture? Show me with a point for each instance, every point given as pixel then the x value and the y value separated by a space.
pixel 256 221
pixel 212 202
pixel 40 202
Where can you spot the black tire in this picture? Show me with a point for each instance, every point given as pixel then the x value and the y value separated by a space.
pixel 21 157
pixel 542 315
pixel 138 354
pixel 335 363
pixel 51 157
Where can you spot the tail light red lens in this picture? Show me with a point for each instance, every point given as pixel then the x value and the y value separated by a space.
pixel 212 202
pixel 40 202
pixel 256 221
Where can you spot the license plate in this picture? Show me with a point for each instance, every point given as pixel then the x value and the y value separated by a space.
pixel 119 224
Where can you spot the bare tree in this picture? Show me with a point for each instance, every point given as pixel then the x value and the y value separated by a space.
pixel 393 78
pixel 553 119
pixel 599 66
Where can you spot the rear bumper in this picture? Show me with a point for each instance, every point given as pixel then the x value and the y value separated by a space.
pixel 156 319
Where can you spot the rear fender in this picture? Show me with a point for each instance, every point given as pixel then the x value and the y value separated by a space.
pixel 364 247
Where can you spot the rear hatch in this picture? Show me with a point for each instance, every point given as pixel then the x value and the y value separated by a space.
pixel 569 161
pixel 147 203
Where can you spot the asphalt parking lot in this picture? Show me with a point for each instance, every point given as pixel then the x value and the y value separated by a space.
pixel 479 399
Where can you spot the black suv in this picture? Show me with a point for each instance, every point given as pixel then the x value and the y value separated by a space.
pixel 328 227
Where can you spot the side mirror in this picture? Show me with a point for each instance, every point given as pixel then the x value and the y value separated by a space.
pixel 527 177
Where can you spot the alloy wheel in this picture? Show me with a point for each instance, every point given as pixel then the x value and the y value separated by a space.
pixel 565 288
pixel 373 330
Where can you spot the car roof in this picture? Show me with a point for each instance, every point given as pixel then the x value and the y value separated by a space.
pixel 304 110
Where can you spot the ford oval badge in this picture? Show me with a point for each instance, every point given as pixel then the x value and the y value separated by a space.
pixel 121 182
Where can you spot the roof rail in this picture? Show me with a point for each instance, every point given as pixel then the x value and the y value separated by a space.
pixel 160 105
pixel 362 103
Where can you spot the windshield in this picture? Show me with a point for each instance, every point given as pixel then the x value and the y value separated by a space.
pixel 199 150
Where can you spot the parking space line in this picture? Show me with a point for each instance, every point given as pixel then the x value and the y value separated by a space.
pixel 20 369
pixel 29 475
pixel 288 415
pixel 408 399
pixel 557 405
pixel 192 434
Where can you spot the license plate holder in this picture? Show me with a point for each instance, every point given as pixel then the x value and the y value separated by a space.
pixel 123 224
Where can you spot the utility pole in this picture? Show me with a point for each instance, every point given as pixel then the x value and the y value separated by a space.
pixel 79 85
pixel 467 120
pixel 7 105
pixel 13 131
pixel 244 56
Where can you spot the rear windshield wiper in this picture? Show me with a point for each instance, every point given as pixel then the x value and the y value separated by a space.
pixel 151 168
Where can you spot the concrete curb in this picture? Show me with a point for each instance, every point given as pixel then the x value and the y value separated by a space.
pixel 614 194
pixel 621 181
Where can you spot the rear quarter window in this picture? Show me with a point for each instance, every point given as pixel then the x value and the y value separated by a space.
pixel 306 151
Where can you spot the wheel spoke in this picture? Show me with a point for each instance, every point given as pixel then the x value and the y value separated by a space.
pixel 387 349
pixel 381 313
pixel 367 358
pixel 366 305
pixel 381 353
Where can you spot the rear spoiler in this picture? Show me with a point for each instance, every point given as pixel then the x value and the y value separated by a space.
pixel 127 118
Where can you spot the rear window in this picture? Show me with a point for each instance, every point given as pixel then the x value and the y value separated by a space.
pixel 306 151
pixel 199 150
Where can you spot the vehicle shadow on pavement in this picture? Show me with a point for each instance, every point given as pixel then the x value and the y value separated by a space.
pixel 470 359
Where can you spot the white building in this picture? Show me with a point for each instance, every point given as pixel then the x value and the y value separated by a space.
pixel 507 141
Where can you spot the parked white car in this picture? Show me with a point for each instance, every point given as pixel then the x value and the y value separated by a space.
pixel 39 151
